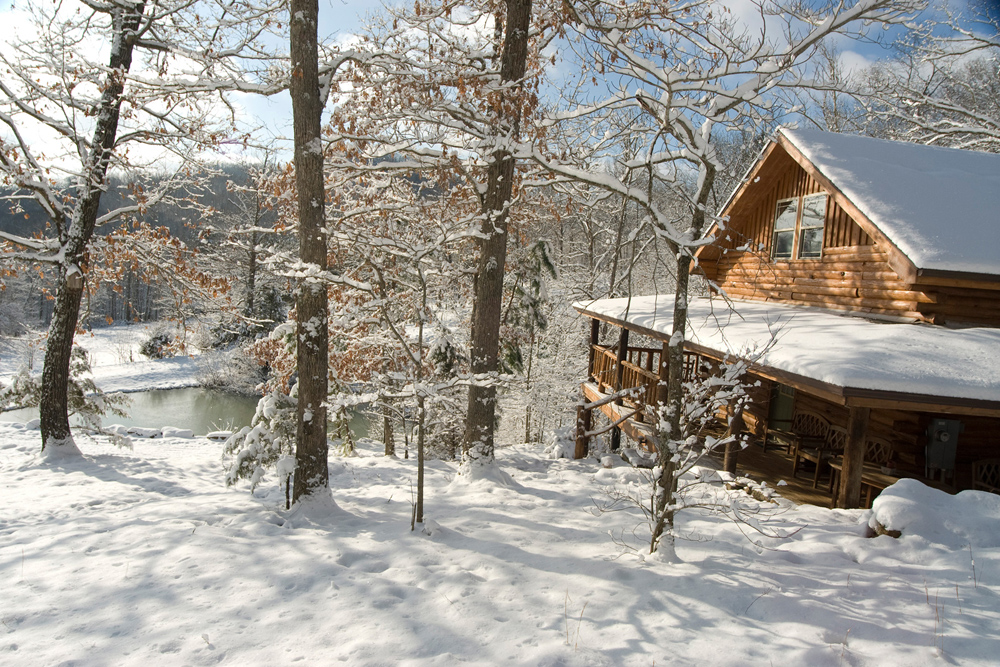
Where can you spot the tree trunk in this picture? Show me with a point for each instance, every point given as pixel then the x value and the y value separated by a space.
pixel 387 435
pixel 421 441
pixel 666 486
pixel 250 308
pixel 484 343
pixel 527 386
pixel 311 472
pixel 55 373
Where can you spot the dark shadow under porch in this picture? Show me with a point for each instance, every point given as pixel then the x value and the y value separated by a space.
pixel 775 465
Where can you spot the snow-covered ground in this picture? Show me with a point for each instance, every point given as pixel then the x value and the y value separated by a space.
pixel 144 557
pixel 114 356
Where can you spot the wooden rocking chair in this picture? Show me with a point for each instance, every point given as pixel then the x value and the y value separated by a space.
pixel 806 426
pixel 986 475
pixel 819 453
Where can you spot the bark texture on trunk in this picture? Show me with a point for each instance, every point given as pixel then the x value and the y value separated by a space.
pixel 387 435
pixel 251 306
pixel 666 486
pixel 53 410
pixel 484 343
pixel 312 342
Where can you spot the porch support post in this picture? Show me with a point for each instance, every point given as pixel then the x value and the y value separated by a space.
pixel 595 336
pixel 616 432
pixel 583 420
pixel 849 496
pixel 664 375
pixel 736 428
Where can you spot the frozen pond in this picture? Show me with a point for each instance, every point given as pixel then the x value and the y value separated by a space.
pixel 201 410
pixel 195 408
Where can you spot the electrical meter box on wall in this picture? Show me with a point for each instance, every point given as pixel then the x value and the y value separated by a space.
pixel 942 445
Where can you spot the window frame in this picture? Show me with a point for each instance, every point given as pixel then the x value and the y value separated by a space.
pixel 798 229
pixel 793 230
pixel 802 228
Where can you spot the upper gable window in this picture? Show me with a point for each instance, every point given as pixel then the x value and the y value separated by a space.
pixel 798 227
pixel 784 228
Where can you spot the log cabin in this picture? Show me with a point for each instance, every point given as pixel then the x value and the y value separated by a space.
pixel 864 277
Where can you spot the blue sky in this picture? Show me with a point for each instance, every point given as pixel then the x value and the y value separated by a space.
pixel 340 18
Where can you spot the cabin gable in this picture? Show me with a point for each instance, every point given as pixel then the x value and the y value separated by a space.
pixel 764 253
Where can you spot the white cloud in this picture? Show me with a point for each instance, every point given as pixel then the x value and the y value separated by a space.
pixel 852 62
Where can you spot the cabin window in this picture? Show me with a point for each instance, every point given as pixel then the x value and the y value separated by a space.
pixel 811 227
pixel 798 228
pixel 784 228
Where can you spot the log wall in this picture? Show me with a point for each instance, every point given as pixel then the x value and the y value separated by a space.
pixel 854 278
pixel 853 273
pixel 961 306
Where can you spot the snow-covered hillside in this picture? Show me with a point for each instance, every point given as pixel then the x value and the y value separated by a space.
pixel 114 358
pixel 144 557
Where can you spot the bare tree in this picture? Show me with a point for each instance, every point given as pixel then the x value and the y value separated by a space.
pixel 944 88
pixel 454 87
pixel 70 117
pixel 311 473
pixel 484 342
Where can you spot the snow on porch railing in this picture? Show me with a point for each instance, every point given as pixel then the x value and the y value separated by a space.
pixel 639 369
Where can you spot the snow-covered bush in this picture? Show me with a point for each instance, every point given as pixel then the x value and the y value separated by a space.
pixel 157 346
pixel 231 370
pixel 561 443
pixel 253 449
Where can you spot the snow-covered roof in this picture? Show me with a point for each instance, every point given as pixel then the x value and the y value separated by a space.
pixel 939 206
pixel 839 349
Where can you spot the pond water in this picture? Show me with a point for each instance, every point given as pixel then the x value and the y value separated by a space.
pixel 201 410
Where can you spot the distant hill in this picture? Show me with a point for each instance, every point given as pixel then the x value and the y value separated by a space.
pixel 33 218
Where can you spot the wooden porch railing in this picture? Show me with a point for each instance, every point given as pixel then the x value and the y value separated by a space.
pixel 640 368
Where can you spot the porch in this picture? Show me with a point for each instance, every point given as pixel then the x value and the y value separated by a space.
pixel 855 377
pixel 625 383
pixel 773 466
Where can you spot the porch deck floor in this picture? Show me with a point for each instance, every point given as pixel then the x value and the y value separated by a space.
pixel 775 465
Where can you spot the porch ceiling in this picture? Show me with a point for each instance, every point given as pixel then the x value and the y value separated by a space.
pixel 845 358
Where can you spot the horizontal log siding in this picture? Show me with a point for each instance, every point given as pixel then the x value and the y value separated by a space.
pixel 847 278
pixel 961 306
pixel 853 274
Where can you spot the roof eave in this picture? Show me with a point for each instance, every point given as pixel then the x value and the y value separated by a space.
pixel 848 396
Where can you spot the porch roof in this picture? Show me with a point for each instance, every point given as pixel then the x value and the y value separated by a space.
pixel 852 360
